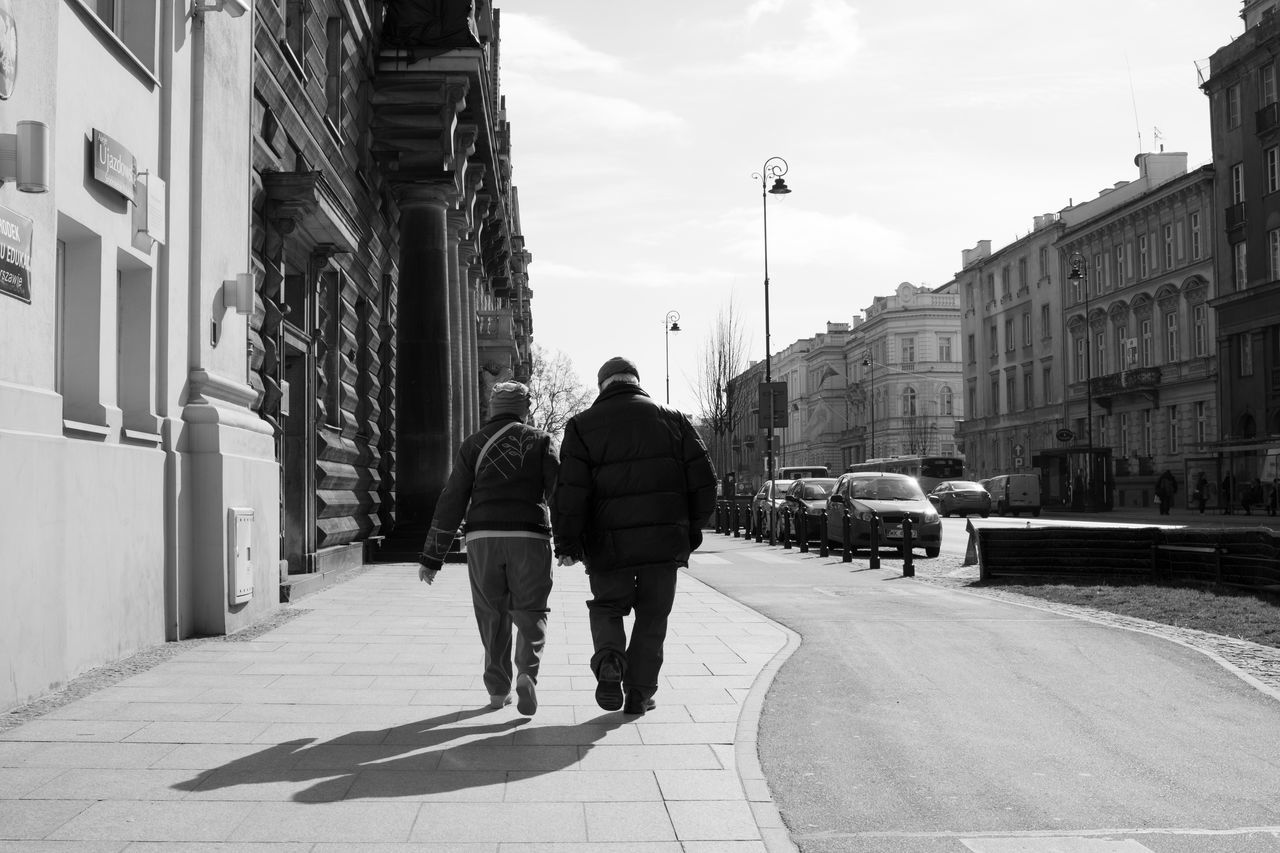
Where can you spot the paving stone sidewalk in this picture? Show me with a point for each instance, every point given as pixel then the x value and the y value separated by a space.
pixel 357 721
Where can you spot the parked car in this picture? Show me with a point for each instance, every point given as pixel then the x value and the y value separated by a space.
pixel 1014 494
pixel 807 496
pixel 961 497
pixel 888 498
pixel 771 494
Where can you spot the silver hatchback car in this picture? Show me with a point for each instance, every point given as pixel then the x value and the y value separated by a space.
pixel 884 500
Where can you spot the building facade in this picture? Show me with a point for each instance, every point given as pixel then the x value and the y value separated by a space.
pixel 214 385
pixel 1141 380
pixel 904 362
pixel 1244 115
pixel 1010 333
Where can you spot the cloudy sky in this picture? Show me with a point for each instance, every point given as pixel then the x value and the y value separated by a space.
pixel 912 131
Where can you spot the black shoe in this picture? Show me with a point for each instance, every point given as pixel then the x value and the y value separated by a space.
pixel 609 685
pixel 637 704
pixel 528 695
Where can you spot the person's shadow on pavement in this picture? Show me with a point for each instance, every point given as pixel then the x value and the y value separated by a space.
pixel 407 760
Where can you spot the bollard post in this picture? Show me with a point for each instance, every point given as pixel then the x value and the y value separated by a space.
pixel 734 514
pixel 908 566
pixel 970 551
pixel 771 519
pixel 802 530
pixel 785 522
pixel 824 549
pixel 757 525
pixel 875 540
pixel 719 516
pixel 845 535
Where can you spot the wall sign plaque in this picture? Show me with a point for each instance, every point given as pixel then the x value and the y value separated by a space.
pixel 8 50
pixel 15 254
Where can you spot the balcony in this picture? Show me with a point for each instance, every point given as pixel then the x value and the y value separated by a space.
pixel 1234 216
pixel 496 337
pixel 1267 119
pixel 1140 380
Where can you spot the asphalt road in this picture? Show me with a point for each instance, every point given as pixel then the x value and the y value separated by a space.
pixel 922 719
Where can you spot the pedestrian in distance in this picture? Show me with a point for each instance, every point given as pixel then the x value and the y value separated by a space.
pixel 1273 500
pixel 502 480
pixel 1252 495
pixel 636 485
pixel 1228 492
pixel 1166 488
pixel 1201 493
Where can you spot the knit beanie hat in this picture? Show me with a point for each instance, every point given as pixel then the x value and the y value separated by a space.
pixel 614 366
pixel 509 398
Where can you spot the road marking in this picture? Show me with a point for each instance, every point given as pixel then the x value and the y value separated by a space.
pixel 1035 844
pixel 709 560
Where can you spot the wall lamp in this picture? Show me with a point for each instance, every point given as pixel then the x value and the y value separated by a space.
pixel 235 293
pixel 234 8
pixel 24 157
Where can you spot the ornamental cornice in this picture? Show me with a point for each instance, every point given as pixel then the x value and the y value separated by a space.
pixel 303 202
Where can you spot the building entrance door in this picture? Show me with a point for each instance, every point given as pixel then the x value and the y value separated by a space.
pixel 297 450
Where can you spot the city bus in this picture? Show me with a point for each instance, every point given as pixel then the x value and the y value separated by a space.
pixel 800 472
pixel 929 471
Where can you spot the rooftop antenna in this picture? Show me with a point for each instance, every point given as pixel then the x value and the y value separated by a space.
pixel 1133 94
pixel 1158 137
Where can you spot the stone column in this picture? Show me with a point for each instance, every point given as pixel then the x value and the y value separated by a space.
pixel 457 229
pixel 424 417
pixel 470 366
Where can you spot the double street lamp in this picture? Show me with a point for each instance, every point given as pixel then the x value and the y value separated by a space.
pixel 871 365
pixel 671 324
pixel 773 169
pixel 1079 278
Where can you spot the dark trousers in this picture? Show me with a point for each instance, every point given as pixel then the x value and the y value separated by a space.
pixel 650 592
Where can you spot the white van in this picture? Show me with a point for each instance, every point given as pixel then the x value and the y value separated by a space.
pixel 1014 494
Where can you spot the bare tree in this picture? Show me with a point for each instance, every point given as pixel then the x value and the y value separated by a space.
pixel 918 433
pixel 555 390
pixel 723 358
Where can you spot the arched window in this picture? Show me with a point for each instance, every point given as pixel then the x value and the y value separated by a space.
pixel 947 401
pixel 908 402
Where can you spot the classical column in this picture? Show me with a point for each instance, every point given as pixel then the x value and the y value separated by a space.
pixel 470 366
pixel 424 417
pixel 457 230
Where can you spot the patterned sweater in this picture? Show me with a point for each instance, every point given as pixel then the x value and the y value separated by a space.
pixel 502 493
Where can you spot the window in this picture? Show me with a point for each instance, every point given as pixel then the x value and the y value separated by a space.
pixel 968 296
pixel 1273 168
pixel 991 287
pixel 1202 423
pixel 1028 390
pixel 1008 335
pixel 1144 263
pixel 908 402
pixel 135 24
pixel 1238 273
pixel 1122 345
pixel 1168 247
pixel 947 401
pixel 908 350
pixel 1193 223
pixel 329 327
pixel 1045 331
pixel 1082 369
pixel 135 337
pixel 1078 286
pixel 1026 328
pixel 1046 377
pixel 944 348
pixel 973 400
pixel 1146 432
pixel 1124 434
pixel 1171 336
pixel 1010 389
pixel 995 340
pixel 973 350
pixel 1100 273
pixel 1173 429
pixel 1237 183
pixel 80 298
pixel 1119 253
pixel 1233 106
pixel 1267 83
pixel 1100 348
pixel 1022 273
pixel 1044 261
pixel 1144 343
pixel 1244 342
pixel 296 39
pixel 1200 326
pixel 994 407
pixel 335 55
pixel 1273 247
pixel 1004 280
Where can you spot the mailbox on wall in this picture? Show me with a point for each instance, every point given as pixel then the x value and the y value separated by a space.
pixel 239 554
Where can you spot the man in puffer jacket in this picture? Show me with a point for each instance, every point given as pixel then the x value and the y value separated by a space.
pixel 501 479
pixel 635 487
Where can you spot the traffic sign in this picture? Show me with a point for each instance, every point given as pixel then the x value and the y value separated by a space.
pixel 1065 435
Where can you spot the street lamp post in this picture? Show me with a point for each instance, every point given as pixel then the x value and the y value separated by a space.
pixel 774 168
pixel 671 324
pixel 1079 276
pixel 868 363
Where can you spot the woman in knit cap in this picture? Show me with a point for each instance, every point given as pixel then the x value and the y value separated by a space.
pixel 502 478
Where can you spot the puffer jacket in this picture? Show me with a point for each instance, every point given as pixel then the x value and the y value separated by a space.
pixel 503 494
pixel 635 484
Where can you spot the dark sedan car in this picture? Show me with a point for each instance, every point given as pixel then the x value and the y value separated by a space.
pixel 961 497
pixel 807 496
pixel 883 499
